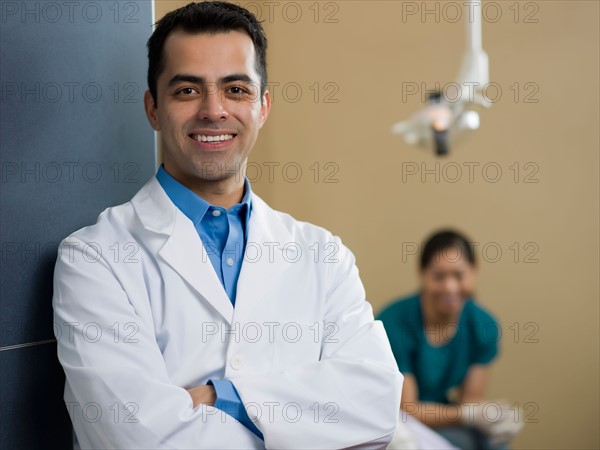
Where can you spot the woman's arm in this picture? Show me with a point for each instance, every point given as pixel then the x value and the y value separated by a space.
pixel 439 414
pixel 475 384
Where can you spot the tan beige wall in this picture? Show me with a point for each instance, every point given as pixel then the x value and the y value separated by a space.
pixel 551 365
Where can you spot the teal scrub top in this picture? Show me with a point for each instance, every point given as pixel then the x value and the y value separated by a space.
pixel 438 369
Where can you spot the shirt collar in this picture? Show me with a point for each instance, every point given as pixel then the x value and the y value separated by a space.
pixel 194 206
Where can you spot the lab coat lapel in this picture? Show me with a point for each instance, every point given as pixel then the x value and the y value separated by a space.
pixel 183 249
pixel 259 274
pixel 185 253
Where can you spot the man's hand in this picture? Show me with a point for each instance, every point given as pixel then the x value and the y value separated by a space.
pixel 203 394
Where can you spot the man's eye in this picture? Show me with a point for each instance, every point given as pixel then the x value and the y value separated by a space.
pixel 187 91
pixel 237 90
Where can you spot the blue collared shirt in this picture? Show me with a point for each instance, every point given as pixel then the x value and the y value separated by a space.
pixel 224 234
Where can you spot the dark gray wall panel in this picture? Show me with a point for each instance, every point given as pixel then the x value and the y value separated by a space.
pixel 73 140
pixel 33 413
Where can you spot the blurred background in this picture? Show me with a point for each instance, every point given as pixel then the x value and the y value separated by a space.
pixel 342 73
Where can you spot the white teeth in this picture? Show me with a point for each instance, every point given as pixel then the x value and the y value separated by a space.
pixel 205 138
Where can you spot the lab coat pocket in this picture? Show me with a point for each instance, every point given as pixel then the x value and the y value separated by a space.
pixel 298 343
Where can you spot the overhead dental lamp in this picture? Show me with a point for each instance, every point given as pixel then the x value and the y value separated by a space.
pixel 446 116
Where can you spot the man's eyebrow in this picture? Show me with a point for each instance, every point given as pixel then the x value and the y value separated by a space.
pixel 237 77
pixel 185 78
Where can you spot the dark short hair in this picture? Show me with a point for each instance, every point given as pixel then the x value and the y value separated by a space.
pixel 206 17
pixel 443 240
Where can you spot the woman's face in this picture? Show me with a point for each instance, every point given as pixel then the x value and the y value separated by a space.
pixel 448 280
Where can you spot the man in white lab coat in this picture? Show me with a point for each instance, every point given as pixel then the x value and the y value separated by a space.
pixel 195 316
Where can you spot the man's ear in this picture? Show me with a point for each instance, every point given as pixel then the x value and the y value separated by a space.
pixel 265 107
pixel 150 108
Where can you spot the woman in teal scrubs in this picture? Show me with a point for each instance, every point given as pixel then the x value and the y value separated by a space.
pixel 444 342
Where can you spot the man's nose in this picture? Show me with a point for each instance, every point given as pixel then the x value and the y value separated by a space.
pixel 213 106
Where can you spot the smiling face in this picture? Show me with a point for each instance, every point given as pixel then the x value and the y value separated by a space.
pixel 447 282
pixel 209 109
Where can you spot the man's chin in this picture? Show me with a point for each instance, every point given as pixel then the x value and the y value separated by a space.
pixel 217 171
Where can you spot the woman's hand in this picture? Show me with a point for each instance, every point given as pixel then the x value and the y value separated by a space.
pixel 496 419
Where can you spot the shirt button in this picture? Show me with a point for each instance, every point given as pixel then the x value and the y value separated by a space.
pixel 236 362
pixel 229 261
pixel 216 213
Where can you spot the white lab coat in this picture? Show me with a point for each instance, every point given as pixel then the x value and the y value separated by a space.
pixel 140 316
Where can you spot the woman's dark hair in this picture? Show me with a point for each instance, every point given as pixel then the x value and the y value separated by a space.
pixel 439 242
pixel 206 17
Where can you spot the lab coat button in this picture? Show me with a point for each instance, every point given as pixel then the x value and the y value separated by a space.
pixel 236 362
